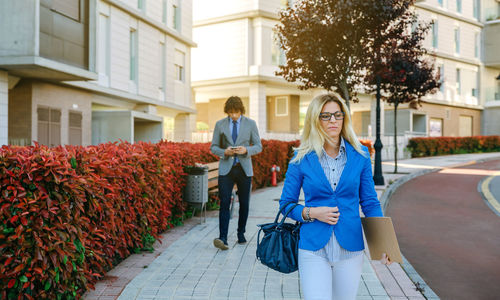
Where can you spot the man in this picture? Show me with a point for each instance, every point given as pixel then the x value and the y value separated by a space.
pixel 236 139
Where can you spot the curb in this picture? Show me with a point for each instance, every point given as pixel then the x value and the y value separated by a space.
pixel 425 289
pixel 489 199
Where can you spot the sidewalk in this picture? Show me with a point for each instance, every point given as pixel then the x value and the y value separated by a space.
pixel 187 266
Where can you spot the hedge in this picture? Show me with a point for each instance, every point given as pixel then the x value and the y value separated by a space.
pixel 69 214
pixel 430 146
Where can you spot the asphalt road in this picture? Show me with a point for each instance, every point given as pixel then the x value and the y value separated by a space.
pixel 448 233
pixel 494 188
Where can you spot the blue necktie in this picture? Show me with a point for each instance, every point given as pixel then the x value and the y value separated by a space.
pixel 235 136
pixel 235 132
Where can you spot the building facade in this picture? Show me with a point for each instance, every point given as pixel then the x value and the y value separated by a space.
pixel 465 42
pixel 237 55
pixel 91 71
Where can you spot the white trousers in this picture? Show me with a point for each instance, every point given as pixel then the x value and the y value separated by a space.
pixel 322 280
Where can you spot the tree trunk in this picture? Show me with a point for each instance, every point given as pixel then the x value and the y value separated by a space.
pixel 396 136
pixel 345 94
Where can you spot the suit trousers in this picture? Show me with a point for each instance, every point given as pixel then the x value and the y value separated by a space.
pixel 323 280
pixel 244 184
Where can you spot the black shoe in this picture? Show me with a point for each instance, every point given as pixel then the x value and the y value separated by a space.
pixel 221 244
pixel 241 238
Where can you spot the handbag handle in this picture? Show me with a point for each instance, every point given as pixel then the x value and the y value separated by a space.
pixel 285 215
pixel 276 219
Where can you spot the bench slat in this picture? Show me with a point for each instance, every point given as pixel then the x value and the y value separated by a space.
pixel 213 174
pixel 212 183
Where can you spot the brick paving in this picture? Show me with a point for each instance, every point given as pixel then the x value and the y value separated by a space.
pixel 187 266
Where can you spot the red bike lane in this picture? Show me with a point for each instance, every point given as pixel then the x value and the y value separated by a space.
pixel 448 233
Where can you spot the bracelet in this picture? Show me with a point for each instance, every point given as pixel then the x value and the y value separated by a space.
pixel 308 217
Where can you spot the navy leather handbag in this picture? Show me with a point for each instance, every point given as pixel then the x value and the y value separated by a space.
pixel 279 247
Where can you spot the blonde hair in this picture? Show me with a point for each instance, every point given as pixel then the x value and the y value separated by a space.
pixel 314 136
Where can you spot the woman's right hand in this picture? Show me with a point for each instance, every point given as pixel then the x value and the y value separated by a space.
pixel 329 215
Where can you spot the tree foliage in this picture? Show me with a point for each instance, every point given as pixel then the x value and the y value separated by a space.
pixel 332 43
pixel 402 67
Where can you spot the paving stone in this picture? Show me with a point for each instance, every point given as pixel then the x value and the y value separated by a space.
pixel 191 268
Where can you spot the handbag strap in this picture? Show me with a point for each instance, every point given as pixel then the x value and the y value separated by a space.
pixel 276 220
pixel 286 214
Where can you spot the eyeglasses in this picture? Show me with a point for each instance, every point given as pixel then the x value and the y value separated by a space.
pixel 326 116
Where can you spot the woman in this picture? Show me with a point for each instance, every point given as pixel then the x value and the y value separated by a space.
pixel 334 170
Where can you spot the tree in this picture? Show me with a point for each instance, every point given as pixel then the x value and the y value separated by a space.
pixel 404 69
pixel 327 41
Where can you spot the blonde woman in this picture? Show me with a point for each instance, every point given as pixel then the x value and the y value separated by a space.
pixel 334 170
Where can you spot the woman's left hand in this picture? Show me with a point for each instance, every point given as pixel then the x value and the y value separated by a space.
pixel 386 260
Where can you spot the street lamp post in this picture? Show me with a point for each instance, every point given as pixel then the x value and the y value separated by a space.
pixel 378 178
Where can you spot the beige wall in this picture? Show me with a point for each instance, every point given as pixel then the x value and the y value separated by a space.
pixel 27 96
pixel 20 114
pixel 288 123
pixel 357 122
pixel 66 99
pixel 223 50
pixel 450 116
pixel 213 111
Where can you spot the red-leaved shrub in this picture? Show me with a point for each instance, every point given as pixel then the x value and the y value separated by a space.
pixel 68 214
pixel 430 146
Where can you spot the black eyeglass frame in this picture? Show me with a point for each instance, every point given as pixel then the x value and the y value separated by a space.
pixel 338 115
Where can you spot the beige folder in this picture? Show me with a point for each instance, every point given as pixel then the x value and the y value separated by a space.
pixel 381 238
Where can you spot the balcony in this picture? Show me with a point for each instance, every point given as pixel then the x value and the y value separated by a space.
pixel 47 39
pixel 492 44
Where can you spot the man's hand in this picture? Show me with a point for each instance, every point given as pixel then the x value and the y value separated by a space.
pixel 229 151
pixel 240 150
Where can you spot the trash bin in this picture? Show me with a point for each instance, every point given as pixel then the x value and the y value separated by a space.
pixel 196 190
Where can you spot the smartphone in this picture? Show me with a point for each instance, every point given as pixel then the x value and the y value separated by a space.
pixel 234 148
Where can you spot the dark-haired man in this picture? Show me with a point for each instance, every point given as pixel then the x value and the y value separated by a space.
pixel 236 138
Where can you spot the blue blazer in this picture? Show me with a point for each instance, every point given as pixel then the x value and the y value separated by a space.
pixel 355 188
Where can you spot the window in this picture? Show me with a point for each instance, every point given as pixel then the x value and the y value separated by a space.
pixel 179 65
pixel 441 78
pixel 141 5
pixel 440 3
pixel 477 41
pixel 277 54
pixel 457 40
pixel 75 128
pixel 476 9
pixel 419 123
pixel 103 50
pixel 414 26
pixel 459 6
pixel 164 12
pixel 285 3
pixel 435 127
pixel 49 126
pixel 67 8
pixel 459 83
pixel 162 72
pixel 281 108
pixel 133 55
pixel 176 18
pixel 435 34
pixel 465 126
pixel 475 90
